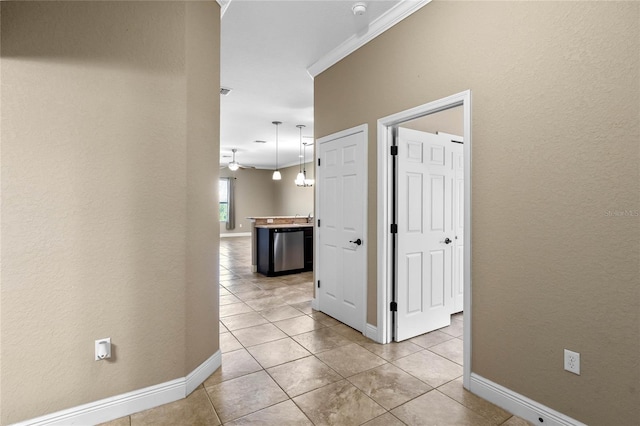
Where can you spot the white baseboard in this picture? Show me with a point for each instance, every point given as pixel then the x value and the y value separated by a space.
pixel 371 331
pixel 129 403
pixel 235 234
pixel 202 372
pixel 314 304
pixel 519 405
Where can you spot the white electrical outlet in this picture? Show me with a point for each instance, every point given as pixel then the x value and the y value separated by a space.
pixel 103 349
pixel 572 361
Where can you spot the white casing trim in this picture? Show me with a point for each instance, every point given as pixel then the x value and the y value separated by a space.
pixel 235 234
pixel 315 305
pixel 385 140
pixel 129 403
pixel 381 24
pixel 519 405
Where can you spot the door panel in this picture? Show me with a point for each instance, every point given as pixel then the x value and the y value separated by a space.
pixel 341 211
pixel 350 186
pixel 329 255
pixel 438 203
pixel 415 203
pixel 350 293
pixel 414 282
pixel 438 278
pixel 458 281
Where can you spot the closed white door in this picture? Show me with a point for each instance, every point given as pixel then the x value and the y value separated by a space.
pixel 341 214
pixel 425 216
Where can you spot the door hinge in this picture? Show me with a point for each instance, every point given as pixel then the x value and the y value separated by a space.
pixel 318 283
pixel 318 223
pixel 393 306
pixel 318 162
pixel 394 150
pixel 394 228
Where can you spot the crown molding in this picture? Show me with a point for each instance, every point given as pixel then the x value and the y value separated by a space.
pixel 385 21
pixel 224 5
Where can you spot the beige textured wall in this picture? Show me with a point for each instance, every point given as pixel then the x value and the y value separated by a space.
pixel 102 191
pixel 203 150
pixel 556 111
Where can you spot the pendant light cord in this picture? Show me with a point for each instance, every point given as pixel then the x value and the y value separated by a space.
pixel 300 154
pixel 276 173
pixel 277 123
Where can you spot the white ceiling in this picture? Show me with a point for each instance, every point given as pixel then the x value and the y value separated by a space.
pixel 269 50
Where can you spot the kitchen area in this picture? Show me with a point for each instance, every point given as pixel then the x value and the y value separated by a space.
pixel 266 249
pixel 282 244
pixel 276 216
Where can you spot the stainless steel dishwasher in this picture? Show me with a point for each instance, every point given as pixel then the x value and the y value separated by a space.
pixel 288 249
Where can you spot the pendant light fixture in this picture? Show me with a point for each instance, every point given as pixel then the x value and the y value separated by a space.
pixel 301 177
pixel 276 173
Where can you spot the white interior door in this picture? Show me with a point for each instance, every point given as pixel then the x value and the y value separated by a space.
pixel 341 213
pixel 425 216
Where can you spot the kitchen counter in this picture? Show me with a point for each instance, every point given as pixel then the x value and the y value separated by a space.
pixel 286 225
pixel 277 217
pixel 284 248
pixel 273 222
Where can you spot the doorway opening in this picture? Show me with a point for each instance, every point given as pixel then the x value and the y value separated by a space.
pixel 387 224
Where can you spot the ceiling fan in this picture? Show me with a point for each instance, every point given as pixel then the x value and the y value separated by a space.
pixel 234 165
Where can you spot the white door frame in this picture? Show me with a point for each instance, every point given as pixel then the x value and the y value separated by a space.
pixel 385 182
pixel 364 128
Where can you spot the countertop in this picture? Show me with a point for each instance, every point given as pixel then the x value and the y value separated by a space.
pixel 278 217
pixel 286 225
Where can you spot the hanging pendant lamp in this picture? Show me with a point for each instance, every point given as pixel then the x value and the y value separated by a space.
pixel 276 173
pixel 300 178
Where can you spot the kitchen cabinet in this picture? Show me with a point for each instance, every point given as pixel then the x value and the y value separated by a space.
pixel 308 249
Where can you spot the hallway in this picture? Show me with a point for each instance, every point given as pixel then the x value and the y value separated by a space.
pixel 285 364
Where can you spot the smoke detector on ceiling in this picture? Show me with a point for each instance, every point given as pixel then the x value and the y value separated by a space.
pixel 359 9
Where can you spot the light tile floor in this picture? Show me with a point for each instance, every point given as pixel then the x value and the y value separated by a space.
pixel 285 364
